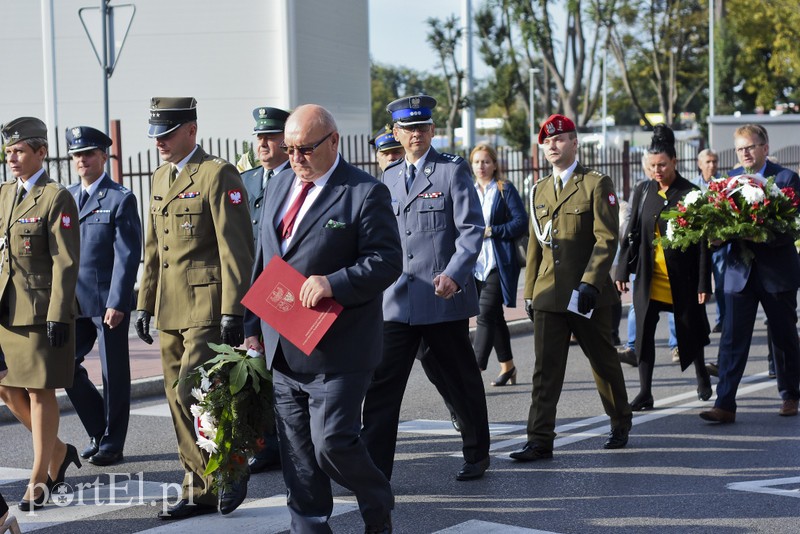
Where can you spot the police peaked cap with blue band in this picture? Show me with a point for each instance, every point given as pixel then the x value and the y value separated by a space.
pixel 168 113
pixel 269 120
pixel 410 110
pixel 384 140
pixel 83 138
pixel 21 129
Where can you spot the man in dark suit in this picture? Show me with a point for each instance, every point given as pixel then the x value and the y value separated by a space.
pixel 111 244
pixel 441 228
pixel 335 226
pixel 575 220
pixel 268 130
pixel 771 278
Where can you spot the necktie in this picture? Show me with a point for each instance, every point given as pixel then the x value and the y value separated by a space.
pixel 20 196
pixel 286 227
pixel 173 174
pixel 82 200
pixel 559 186
pixel 267 176
pixel 411 172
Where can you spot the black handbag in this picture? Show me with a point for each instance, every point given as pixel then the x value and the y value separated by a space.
pixel 634 235
pixel 520 242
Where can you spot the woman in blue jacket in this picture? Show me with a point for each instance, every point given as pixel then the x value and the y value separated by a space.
pixel 497 269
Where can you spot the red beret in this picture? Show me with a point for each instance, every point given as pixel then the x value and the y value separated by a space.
pixel 554 125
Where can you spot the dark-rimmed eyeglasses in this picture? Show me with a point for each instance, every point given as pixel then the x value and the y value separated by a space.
pixel 748 148
pixel 305 150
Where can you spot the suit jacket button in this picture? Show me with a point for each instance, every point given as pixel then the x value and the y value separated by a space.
pixel 166 247
pixel 166 230
pixel 555 247
pixel 408 232
pixel 165 265
pixel 410 277
pixel 410 256
pixel 554 231
pixel 185 209
pixel 255 221
pixel 558 262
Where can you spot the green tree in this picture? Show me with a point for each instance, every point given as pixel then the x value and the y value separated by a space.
pixel 444 37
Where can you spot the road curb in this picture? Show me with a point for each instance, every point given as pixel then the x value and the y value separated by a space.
pixel 141 388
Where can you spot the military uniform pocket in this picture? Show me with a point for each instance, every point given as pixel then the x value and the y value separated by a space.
pixel 188 217
pixel 431 214
pixel 39 285
pixel 205 285
pixel 576 216
pixel 29 238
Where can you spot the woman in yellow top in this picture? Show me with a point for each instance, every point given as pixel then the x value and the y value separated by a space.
pixel 666 280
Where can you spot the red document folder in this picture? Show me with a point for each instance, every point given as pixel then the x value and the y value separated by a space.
pixel 275 297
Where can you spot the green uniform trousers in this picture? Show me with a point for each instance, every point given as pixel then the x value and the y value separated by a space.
pixel 551 334
pixel 182 351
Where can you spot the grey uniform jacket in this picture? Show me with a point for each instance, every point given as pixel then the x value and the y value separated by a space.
pixel 441 229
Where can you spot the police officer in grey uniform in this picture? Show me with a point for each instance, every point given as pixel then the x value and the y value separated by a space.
pixel 441 229
pixel 111 245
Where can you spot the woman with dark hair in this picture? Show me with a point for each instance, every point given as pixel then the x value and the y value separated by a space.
pixel 666 279
pixel 497 270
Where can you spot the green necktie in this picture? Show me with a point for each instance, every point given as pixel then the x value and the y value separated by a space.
pixel 559 186
pixel 173 174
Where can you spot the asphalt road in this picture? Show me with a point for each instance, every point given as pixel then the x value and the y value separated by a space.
pixel 678 474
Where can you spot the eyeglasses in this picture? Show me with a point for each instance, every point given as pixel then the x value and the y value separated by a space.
pixel 306 150
pixel 748 148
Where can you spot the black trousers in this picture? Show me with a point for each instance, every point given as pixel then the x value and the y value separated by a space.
pixel 492 331
pixel 450 345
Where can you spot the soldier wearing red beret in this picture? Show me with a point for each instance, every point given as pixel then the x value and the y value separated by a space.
pixel 568 289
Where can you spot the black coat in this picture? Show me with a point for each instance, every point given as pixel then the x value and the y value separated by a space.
pixel 689 271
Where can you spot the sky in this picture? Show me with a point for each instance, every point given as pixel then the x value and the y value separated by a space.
pixel 398 31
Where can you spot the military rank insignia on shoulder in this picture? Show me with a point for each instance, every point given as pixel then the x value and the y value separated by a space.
pixel 455 158
pixel 596 174
pixel 121 188
pixel 219 161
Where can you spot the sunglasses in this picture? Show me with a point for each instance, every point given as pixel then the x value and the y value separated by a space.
pixel 305 150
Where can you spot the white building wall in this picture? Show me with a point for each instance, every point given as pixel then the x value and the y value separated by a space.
pixel 232 56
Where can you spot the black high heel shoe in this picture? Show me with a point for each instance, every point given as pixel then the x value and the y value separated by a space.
pixel 36 503
pixel 704 392
pixel 642 402
pixel 71 457
pixel 509 376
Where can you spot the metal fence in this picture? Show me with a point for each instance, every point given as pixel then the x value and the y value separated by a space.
pixel 624 165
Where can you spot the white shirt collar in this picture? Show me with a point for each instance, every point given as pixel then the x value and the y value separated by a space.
pixel 182 163
pixel 92 188
pixel 30 182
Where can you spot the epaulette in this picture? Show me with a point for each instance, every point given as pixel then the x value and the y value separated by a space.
pixel 57 185
pixel 455 158
pixel 121 188
pixel 596 173
pixel 394 163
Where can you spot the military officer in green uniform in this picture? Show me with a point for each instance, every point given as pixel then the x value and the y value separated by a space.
pixel 197 262
pixel 574 217
pixel 39 251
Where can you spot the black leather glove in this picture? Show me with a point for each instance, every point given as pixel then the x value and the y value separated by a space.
pixel 57 333
pixel 587 297
pixel 143 326
pixel 232 330
pixel 529 308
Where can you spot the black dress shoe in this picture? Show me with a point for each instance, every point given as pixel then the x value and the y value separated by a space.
pixel 183 509
pixel 385 527
pixel 532 452
pixel 71 457
pixel 617 439
pixel 106 458
pixel 230 499
pixel 473 471
pixel 91 449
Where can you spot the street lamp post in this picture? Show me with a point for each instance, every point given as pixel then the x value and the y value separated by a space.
pixel 532 94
